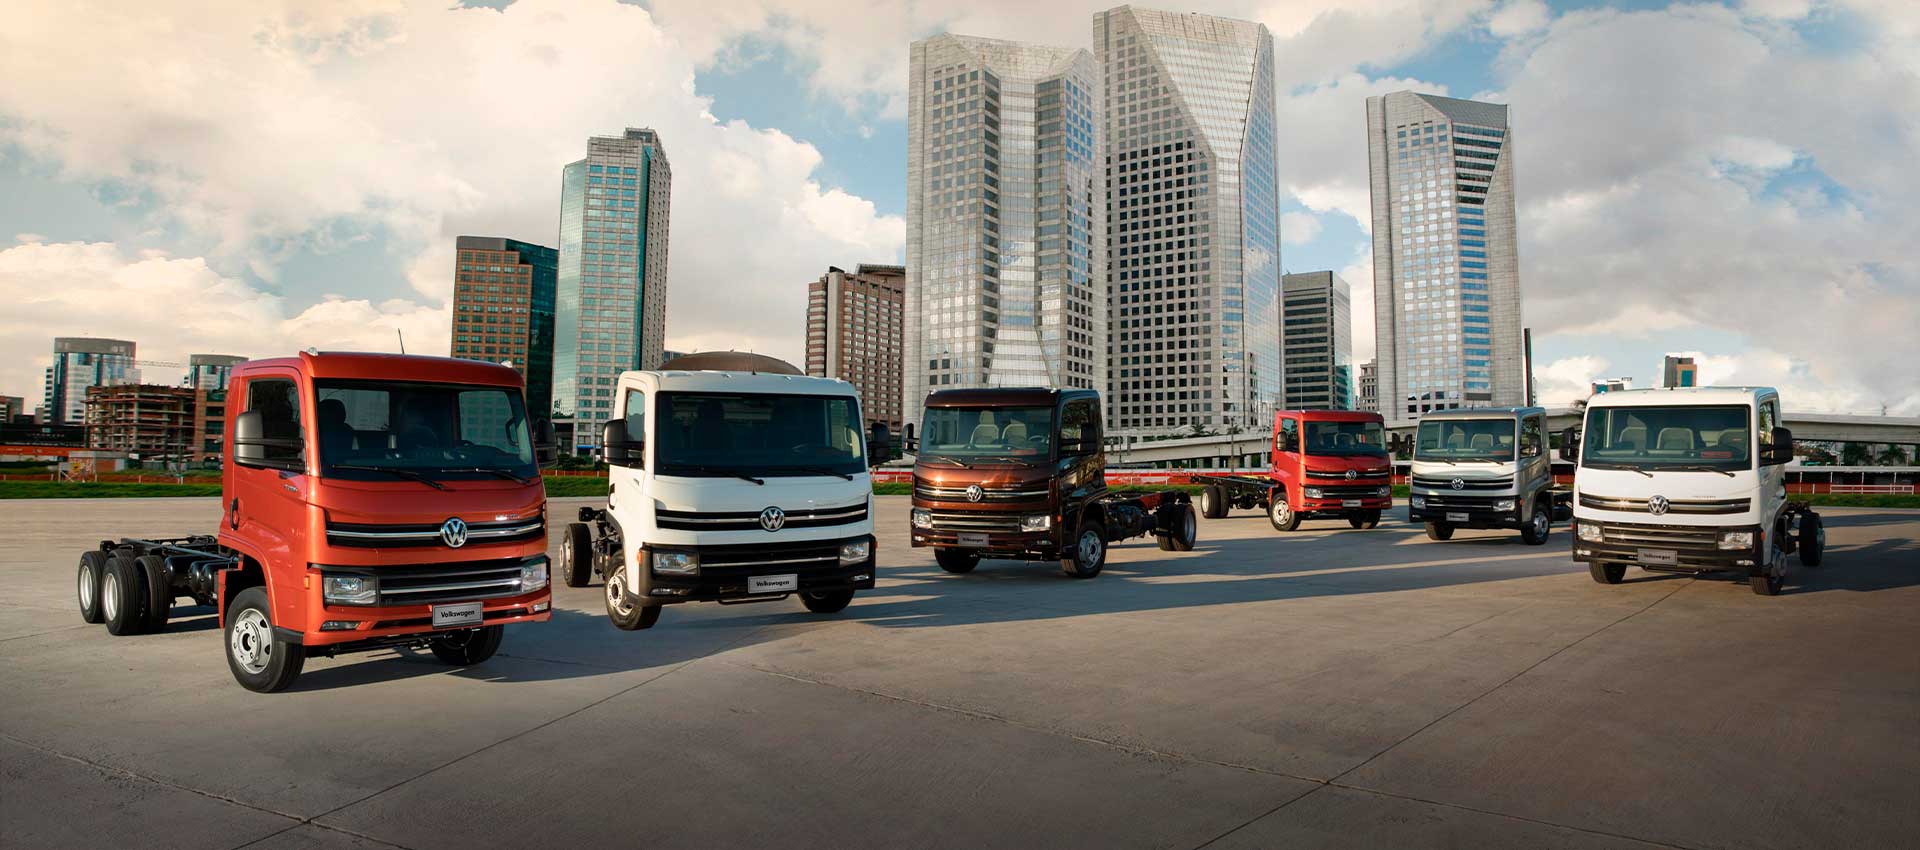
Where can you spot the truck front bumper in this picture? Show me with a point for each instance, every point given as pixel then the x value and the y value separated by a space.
pixel 1016 545
pixel 1668 548
pixel 1342 507
pixel 1468 512
pixel 336 625
pixel 726 572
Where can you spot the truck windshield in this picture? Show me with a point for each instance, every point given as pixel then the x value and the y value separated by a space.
pixel 1345 438
pixel 1017 432
pixel 1465 439
pixel 756 434
pixel 1714 438
pixel 441 431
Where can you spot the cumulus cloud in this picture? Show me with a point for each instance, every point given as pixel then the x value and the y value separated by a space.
pixel 1568 379
pixel 1298 228
pixel 1518 17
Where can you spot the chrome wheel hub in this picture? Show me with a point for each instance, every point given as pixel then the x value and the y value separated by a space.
pixel 251 641
pixel 1089 548
pixel 86 587
pixel 617 592
pixel 110 595
pixel 1540 522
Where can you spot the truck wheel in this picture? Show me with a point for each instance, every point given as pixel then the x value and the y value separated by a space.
pixel 159 591
pixel 576 555
pixel 93 567
pixel 1607 573
pixel 1213 501
pixel 1774 573
pixel 260 662
pixel 1089 552
pixel 469 647
pixel 957 560
pixel 1767 585
pixel 826 601
pixel 1812 540
pixel 1439 531
pixel 1364 519
pixel 1181 532
pixel 1539 525
pixel 123 596
pixel 1280 513
pixel 626 614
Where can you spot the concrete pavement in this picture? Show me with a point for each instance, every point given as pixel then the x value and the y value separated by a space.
pixel 1328 687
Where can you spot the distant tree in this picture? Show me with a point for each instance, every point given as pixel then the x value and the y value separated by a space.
pixel 1855 454
pixel 1893 456
pixel 1818 455
pixel 1199 429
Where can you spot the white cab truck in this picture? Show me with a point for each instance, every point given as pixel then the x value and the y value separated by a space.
pixel 728 487
pixel 1485 468
pixel 1688 480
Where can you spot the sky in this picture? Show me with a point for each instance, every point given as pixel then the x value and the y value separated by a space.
pixel 1732 180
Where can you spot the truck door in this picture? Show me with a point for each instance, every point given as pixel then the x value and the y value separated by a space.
pixel 1286 455
pixel 1082 453
pixel 1535 468
pixel 266 504
pixel 1773 476
pixel 629 483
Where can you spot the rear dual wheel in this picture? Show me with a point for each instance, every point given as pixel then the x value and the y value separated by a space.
pixel 93 568
pixel 1364 519
pixel 1213 501
pixel 468 647
pixel 1607 573
pixel 826 601
pixel 1439 531
pixel 576 555
pixel 957 560
pixel 1181 531
pixel 123 597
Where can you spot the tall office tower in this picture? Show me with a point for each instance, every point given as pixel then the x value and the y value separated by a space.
pixel 1369 387
pixel 1446 280
pixel 1192 221
pixel 610 300
pixel 856 324
pixel 1679 372
pixel 12 407
pixel 503 295
pixel 1006 218
pixel 1316 339
pixel 211 371
pixel 79 363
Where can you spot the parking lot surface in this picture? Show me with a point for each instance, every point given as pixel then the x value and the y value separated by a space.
pixel 1324 688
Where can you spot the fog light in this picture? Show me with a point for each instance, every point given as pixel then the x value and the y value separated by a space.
pixel 1386 492
pixel 1503 505
pixel 1420 502
pixel 339 625
pixel 1590 532
pixel 1314 493
pixel 541 607
pixel 678 563
pixel 1036 522
pixel 922 518
pixel 1736 540
pixel 853 553
pixel 349 590
pixel 671 591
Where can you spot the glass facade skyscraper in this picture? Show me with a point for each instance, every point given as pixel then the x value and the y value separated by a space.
pixel 1006 210
pixel 1446 283
pixel 1316 339
pixel 82 362
pixel 610 298
pixel 1193 220
pixel 503 296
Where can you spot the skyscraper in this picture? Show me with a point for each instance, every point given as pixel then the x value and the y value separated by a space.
pixel 1317 341
pixel 610 300
pixel 79 363
pixel 1193 220
pixel 855 324
pixel 1679 372
pixel 1446 283
pixel 1006 218
pixel 503 295
pixel 211 371
pixel 1369 387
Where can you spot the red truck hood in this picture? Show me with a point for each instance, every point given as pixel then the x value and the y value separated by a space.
pixel 408 502
pixel 1364 466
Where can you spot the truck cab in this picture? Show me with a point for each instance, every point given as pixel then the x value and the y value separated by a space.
pixel 1484 468
pixel 1326 463
pixel 728 487
pixel 1688 480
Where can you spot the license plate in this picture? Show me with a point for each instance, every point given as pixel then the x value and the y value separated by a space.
pixel 773 584
pixel 968 538
pixel 1349 503
pixel 1668 557
pixel 454 616
pixel 1456 517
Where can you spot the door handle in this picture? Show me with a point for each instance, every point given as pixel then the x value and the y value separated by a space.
pixel 233 515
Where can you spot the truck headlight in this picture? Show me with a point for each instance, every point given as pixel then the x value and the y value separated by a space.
pixel 1503 504
pixel 1420 502
pixel 349 590
pixel 1036 522
pixel 1590 532
pixel 1313 493
pixel 922 518
pixel 533 573
pixel 678 563
pixel 1386 492
pixel 855 552
pixel 1736 540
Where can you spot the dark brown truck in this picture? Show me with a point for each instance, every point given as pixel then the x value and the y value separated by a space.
pixel 1020 473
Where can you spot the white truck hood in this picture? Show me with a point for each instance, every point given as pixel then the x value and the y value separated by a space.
pixel 1675 487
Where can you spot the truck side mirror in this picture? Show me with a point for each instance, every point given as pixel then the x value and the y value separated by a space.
pixel 879 444
pixel 908 442
pixel 617 448
pixel 251 444
pixel 545 453
pixel 1570 444
pixel 1782 451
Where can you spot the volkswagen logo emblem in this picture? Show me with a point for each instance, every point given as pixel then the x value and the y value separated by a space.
pixel 1457 484
pixel 1351 474
pixel 773 519
pixel 454 532
pixel 974 493
pixel 1658 505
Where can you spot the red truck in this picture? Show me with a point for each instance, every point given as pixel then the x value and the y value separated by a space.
pixel 369 501
pixel 1326 463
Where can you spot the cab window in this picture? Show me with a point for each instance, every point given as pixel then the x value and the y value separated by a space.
pixel 1289 437
pixel 1077 424
pixel 1531 432
pixel 633 409
pixel 278 403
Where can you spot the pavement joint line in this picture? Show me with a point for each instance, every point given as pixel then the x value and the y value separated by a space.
pixel 1522 818
pixel 47 632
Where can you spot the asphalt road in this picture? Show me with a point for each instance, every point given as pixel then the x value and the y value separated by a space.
pixel 1325 688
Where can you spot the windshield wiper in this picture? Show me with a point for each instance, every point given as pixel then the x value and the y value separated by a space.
pixel 1013 459
pixel 734 473
pixel 1619 466
pixel 1700 468
pixel 403 473
pixel 490 471
pixel 931 458
pixel 821 470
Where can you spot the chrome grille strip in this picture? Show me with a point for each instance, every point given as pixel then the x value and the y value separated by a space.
pixel 1675 506
pixel 770 562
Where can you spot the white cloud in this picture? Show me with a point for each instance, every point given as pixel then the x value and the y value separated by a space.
pixel 1568 379
pixel 1322 146
pixel 1299 228
pixel 1518 17
pixel 25 238
pixel 1359 278
pixel 1781 9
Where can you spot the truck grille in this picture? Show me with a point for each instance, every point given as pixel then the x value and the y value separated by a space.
pixel 924 490
pixel 1467 485
pixel 1328 491
pixel 1674 506
pixel 750 520
pixel 380 536
pixel 1341 475
pixel 975 521
pixel 1463 503
pixel 754 558
pixel 461 581
pixel 1681 537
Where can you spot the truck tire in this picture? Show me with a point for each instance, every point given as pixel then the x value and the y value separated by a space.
pixel 1364 519
pixel 1181 530
pixel 469 647
pixel 93 567
pixel 1772 576
pixel 626 614
pixel 261 662
pixel 1281 513
pixel 1539 524
pixel 826 601
pixel 1765 585
pixel 1213 501
pixel 1439 531
pixel 159 591
pixel 576 555
pixel 123 596
pixel 1607 573
pixel 1089 551
pixel 956 560
pixel 1812 540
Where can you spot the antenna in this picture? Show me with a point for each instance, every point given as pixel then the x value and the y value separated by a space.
pixel 403 340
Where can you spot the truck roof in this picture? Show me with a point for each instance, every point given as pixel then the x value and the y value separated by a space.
pixel 1681 395
pixel 1003 396
pixel 365 366
pixel 703 381
pixel 1483 413
pixel 1331 415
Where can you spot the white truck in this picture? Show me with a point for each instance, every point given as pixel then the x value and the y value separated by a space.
pixel 1688 480
pixel 728 487
pixel 1485 468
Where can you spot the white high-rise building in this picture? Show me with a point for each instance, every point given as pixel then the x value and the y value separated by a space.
pixel 1193 220
pixel 1446 282
pixel 1006 216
